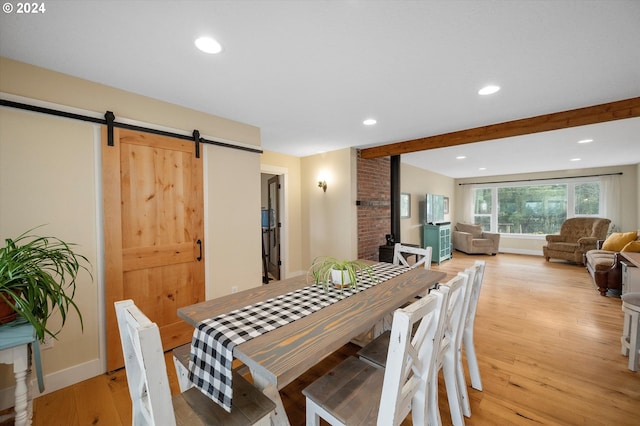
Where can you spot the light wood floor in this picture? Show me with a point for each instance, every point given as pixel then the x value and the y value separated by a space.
pixel 548 346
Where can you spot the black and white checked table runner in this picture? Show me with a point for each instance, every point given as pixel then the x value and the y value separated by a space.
pixel 214 339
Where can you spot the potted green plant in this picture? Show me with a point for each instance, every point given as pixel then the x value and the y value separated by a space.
pixel 327 271
pixel 37 277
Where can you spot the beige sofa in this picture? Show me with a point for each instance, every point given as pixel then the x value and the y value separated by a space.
pixel 471 239
pixel 603 263
pixel 605 269
pixel 577 236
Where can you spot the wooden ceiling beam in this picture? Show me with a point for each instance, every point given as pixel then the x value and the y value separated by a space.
pixel 618 110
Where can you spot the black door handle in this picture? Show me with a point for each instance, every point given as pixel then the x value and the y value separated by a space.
pixel 199 243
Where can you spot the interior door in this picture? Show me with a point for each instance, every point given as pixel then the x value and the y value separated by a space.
pixel 273 192
pixel 153 230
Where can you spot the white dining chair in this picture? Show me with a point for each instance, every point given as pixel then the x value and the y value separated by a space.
pixel 148 383
pixel 449 350
pixel 358 393
pixel 423 255
pixel 467 339
pixel 447 359
pixel 468 304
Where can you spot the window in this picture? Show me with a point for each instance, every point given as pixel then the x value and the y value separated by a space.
pixel 483 207
pixel 534 209
pixel 587 199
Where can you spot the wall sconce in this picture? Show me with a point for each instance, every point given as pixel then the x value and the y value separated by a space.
pixel 322 180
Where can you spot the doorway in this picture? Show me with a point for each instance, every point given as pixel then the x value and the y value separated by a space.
pixel 271 202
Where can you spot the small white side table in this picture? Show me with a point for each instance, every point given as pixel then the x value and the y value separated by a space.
pixel 630 272
pixel 631 329
pixel 15 340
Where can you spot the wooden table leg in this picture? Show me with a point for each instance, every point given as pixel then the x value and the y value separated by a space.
pixel 271 391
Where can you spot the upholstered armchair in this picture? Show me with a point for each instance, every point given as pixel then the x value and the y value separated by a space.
pixel 471 239
pixel 577 236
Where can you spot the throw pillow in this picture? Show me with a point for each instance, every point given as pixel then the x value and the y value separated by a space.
pixel 617 240
pixel 633 246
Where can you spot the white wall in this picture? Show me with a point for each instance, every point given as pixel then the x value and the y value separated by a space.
pixel 48 177
pixel 329 218
pixel 418 182
pixel 232 222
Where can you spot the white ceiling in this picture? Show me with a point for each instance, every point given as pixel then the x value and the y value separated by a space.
pixel 309 72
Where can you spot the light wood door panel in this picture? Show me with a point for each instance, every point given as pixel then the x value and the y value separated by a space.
pixel 154 244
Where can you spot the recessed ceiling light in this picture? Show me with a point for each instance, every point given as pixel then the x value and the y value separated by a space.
pixel 585 141
pixel 482 168
pixel 369 122
pixel 461 157
pixel 488 90
pixel 208 45
pixel 575 159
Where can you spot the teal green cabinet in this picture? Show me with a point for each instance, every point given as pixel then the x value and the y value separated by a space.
pixel 438 237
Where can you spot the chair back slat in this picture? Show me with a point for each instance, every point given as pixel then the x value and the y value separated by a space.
pixel 469 346
pixel 457 298
pixel 478 268
pixel 466 305
pixel 424 255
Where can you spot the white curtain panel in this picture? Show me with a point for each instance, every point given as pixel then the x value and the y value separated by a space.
pixel 467 192
pixel 610 200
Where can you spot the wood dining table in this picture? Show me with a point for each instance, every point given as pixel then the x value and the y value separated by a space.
pixel 278 357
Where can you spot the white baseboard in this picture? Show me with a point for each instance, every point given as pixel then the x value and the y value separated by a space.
pixel 53 382
pixel 522 251
pixel 514 251
pixel 296 274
